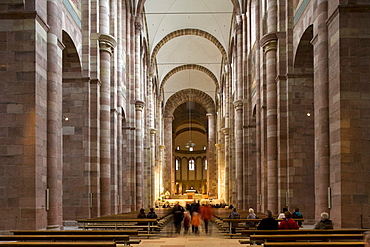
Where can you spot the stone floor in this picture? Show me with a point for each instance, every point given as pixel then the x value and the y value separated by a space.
pixel 215 238
pixel 167 238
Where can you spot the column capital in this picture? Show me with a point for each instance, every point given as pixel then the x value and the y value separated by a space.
pixel 218 146
pixel 153 131
pixel 238 23
pixel 270 46
pixel 169 117
pixel 138 27
pixel 139 105
pixel 161 147
pixel 209 115
pixel 225 131
pixel 107 43
pixel 269 42
pixel 238 104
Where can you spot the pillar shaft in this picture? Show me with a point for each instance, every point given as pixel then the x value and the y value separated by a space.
pixel 105 169
pixel 272 185
pixel 239 116
pixel 321 106
pixel 107 44
pixel 54 116
pixel 212 169
pixel 167 166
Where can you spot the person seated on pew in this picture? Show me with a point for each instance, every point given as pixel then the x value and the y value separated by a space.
pixel 268 223
pixel 282 214
pixel 325 222
pixel 152 215
pixel 288 222
pixel 234 225
pixel 141 213
pixel 367 238
pixel 297 215
pixel 251 215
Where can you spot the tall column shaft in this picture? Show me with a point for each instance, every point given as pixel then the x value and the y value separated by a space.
pixel 225 132
pixel 212 170
pixel 239 152
pixel 238 104
pixel 139 155
pixel 321 106
pixel 54 116
pixel 271 105
pixel 152 164
pixel 270 47
pixel 220 171
pixel 167 166
pixel 107 44
pixel 105 175
pixel 139 144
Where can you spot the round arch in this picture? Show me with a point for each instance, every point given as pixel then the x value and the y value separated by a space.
pixel 188 31
pixel 188 67
pixel 184 95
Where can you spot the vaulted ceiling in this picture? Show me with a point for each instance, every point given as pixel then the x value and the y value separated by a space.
pixel 188 40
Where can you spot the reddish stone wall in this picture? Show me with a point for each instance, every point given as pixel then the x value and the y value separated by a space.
pixel 349 66
pixel 23 111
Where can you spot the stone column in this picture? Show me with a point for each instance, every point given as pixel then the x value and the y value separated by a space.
pixel 239 152
pixel 152 164
pixel 139 144
pixel 269 43
pixel 238 106
pixel 107 44
pixel 212 170
pixel 272 181
pixel 225 132
pixel 139 106
pixel 168 171
pixel 321 109
pixel 54 116
pixel 161 170
pixel 220 171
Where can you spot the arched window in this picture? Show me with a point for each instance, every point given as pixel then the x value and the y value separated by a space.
pixel 191 165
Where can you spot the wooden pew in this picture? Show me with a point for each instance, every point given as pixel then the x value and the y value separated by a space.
pixel 305 237
pixel 53 238
pixel 118 223
pixel 247 233
pixel 230 221
pixel 59 244
pixel 76 232
pixel 315 244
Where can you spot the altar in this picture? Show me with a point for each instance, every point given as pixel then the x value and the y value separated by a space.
pixel 190 193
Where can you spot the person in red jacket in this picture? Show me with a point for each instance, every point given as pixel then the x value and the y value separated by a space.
pixel 206 214
pixel 288 222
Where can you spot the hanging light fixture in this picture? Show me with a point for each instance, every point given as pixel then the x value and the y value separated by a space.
pixel 190 145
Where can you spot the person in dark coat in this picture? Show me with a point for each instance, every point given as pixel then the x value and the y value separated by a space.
pixel 152 214
pixel 141 213
pixel 234 225
pixel 297 215
pixel 324 223
pixel 178 216
pixel 268 223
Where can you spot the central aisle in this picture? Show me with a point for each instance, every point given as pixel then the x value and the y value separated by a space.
pixel 168 238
